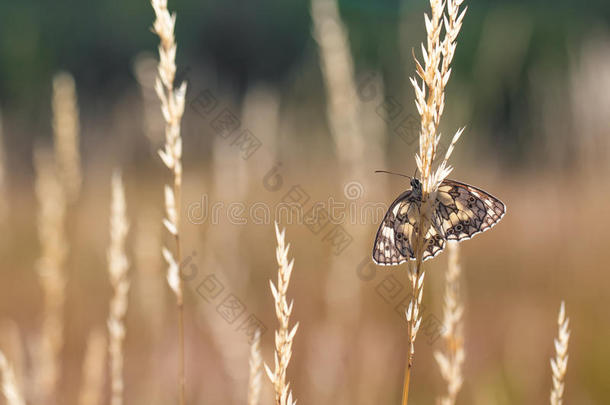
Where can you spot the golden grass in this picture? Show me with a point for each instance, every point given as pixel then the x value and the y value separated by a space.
pixel 52 186
pixel 344 116
pixel 430 94
pixel 256 370
pixel 430 101
pixel 172 107
pixel 11 391
pixel 66 134
pixel 559 364
pixel 283 335
pixel 51 273
pixel 338 71
pixel 118 265
pixel 450 360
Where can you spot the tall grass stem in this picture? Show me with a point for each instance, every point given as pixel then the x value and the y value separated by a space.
pixel 172 107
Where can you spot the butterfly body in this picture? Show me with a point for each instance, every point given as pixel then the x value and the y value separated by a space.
pixel 459 212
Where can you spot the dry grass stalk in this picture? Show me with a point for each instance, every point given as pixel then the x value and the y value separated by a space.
pixel 93 369
pixel 430 95
pixel 559 364
pixel 451 360
pixel 14 349
pixel 283 335
pixel 344 116
pixel 51 272
pixel 256 370
pixel 172 106
pixel 338 71
pixel 66 134
pixel 9 383
pixel 117 270
pixel 230 178
pixel 330 378
pixel 430 101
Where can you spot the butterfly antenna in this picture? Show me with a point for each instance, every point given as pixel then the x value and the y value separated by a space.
pixel 396 174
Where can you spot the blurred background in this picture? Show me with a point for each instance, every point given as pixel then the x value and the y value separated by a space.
pixel 301 101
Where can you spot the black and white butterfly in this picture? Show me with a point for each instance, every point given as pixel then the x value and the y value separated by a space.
pixel 461 211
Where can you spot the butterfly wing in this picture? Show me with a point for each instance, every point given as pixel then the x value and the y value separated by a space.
pixel 464 211
pixel 390 250
pixel 435 241
pixel 397 233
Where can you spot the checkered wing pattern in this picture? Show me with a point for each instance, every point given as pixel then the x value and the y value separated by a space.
pixel 396 237
pixel 462 211
pixel 392 247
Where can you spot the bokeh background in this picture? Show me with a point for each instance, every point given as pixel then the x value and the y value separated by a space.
pixel 326 96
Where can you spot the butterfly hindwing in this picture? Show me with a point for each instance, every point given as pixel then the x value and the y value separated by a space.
pixel 435 242
pixel 464 211
pixel 392 244
pixel 396 237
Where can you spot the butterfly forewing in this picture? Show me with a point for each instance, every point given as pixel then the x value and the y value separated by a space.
pixel 461 212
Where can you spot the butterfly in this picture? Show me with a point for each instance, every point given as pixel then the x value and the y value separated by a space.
pixel 461 211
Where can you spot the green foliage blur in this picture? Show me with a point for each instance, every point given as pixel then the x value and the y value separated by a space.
pixel 250 41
